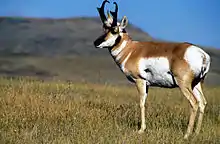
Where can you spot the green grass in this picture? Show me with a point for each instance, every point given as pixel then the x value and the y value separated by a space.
pixel 33 111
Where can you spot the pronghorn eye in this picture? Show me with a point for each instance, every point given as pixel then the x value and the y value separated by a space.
pixel 115 30
pixel 105 30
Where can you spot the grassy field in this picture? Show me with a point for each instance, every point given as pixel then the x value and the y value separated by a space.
pixel 33 111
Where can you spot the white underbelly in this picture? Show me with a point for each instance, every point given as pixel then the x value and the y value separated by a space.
pixel 156 72
pixel 161 79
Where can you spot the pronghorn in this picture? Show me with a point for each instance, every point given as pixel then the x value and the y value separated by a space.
pixel 159 64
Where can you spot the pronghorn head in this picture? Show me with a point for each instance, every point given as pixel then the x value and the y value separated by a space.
pixel 113 30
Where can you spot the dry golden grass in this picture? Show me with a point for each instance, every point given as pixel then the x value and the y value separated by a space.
pixel 34 111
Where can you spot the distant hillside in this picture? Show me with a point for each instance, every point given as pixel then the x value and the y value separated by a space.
pixel 50 37
pixel 63 49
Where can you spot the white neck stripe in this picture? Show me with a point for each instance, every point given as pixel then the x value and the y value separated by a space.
pixel 119 49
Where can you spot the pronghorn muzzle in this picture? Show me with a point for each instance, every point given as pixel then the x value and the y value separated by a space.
pixel 100 40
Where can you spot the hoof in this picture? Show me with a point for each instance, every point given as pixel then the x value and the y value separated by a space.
pixel 186 136
pixel 197 132
pixel 140 131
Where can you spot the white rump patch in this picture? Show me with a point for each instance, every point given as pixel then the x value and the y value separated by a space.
pixel 156 71
pixel 194 56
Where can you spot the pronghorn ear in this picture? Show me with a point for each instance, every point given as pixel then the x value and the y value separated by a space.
pixel 124 22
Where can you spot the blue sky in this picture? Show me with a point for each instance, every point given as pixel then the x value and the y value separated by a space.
pixel 195 21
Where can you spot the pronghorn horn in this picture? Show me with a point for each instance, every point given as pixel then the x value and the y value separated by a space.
pixel 110 19
pixel 115 14
pixel 101 11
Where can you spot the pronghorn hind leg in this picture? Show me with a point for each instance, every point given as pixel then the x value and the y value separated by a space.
pixel 197 90
pixel 185 87
pixel 143 90
pixel 201 87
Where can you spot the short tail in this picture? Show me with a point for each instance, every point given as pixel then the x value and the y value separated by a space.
pixel 205 66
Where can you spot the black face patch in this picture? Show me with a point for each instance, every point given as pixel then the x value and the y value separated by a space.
pixel 108 32
pixel 100 40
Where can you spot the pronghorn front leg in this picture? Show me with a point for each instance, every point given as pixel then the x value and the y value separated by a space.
pixel 143 91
